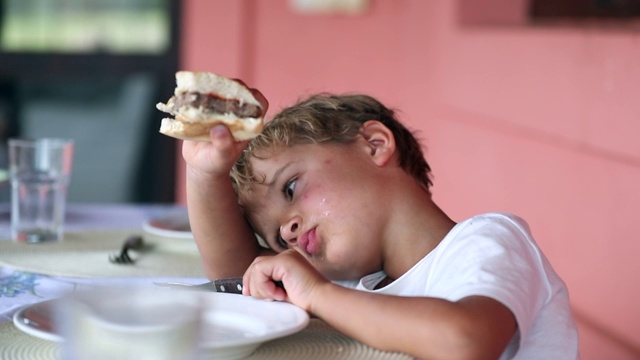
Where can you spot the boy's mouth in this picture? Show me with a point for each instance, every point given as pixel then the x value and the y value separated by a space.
pixel 308 242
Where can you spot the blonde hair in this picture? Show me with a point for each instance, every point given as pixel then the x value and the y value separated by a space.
pixel 328 118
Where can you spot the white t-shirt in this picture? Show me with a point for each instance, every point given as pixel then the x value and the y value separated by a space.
pixel 494 255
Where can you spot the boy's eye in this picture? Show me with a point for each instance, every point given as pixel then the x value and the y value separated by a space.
pixel 289 189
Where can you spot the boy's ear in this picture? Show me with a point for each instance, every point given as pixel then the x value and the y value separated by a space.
pixel 380 141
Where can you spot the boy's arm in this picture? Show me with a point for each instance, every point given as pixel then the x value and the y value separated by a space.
pixel 476 327
pixel 226 243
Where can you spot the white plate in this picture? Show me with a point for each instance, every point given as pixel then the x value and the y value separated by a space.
pixel 235 325
pixel 173 226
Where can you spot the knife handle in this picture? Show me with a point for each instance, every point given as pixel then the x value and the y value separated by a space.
pixel 233 285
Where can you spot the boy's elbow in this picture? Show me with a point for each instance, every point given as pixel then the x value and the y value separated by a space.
pixel 466 341
pixel 475 341
pixel 470 344
pixel 483 333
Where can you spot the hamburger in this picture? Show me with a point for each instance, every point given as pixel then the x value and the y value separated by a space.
pixel 202 100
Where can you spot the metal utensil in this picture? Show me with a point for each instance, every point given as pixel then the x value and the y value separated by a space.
pixel 231 285
pixel 131 243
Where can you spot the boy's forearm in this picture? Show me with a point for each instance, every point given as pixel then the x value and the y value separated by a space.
pixel 420 326
pixel 225 241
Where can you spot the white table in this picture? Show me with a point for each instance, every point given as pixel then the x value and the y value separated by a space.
pixel 80 217
pixel 19 288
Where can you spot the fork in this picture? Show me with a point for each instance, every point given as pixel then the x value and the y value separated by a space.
pixel 131 243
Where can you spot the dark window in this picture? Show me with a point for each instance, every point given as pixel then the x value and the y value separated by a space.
pixel 568 9
pixel 94 70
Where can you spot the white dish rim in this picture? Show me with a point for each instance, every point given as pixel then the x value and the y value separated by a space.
pixel 147 226
pixel 298 319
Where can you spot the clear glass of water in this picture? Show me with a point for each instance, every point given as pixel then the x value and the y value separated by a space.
pixel 40 171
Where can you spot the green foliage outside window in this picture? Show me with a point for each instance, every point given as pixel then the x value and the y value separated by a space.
pixel 85 26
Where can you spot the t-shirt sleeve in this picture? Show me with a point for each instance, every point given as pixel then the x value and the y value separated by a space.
pixel 495 258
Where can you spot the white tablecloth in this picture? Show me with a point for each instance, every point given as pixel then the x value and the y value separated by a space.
pixel 18 288
pixel 80 217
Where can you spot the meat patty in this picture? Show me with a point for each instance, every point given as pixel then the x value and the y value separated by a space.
pixel 215 104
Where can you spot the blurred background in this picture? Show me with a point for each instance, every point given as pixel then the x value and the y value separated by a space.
pixel 92 70
pixel 525 106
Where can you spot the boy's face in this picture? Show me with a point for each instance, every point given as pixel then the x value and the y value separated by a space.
pixel 322 201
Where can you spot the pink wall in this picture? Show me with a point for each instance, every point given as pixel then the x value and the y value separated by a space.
pixel 536 121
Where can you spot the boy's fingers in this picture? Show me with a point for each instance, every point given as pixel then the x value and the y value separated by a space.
pixel 219 131
pixel 261 99
pixel 257 94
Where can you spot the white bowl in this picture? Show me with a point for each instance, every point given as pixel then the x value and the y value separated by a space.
pixel 171 233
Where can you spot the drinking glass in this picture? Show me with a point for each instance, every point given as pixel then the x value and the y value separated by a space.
pixel 40 170
pixel 126 322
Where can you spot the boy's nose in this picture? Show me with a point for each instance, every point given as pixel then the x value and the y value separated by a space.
pixel 289 231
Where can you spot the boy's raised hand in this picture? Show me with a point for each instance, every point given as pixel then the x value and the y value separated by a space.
pixel 299 279
pixel 215 157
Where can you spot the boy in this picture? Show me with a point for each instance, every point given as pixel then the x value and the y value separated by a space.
pixel 339 189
